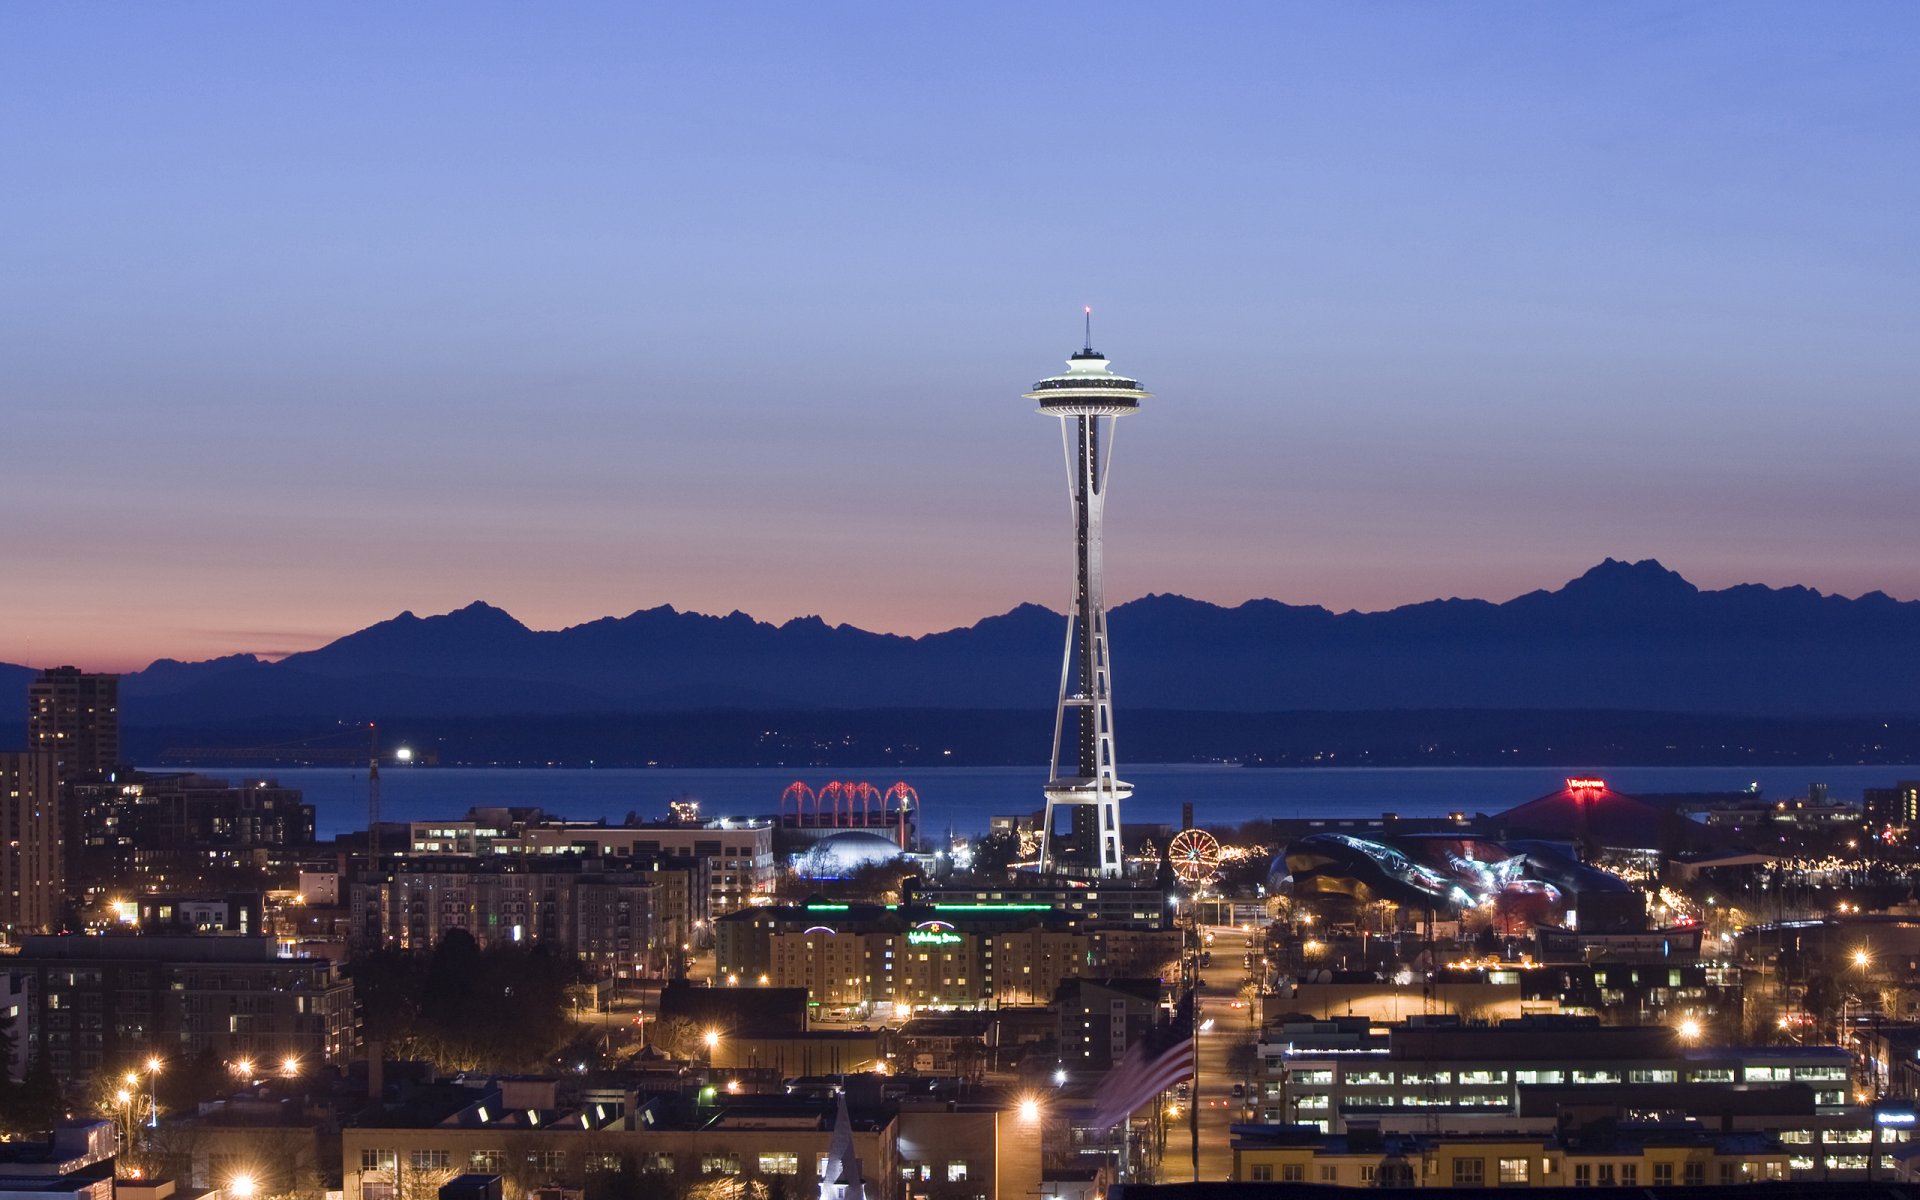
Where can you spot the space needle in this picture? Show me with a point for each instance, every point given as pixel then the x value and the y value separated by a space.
pixel 1084 779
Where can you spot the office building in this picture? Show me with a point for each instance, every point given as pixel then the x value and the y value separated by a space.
pixel 1325 1074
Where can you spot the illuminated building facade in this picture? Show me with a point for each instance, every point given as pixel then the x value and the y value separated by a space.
pixel 738 853
pixel 1666 1156
pixel 173 831
pixel 625 916
pixel 1894 809
pixel 32 849
pixel 1083 775
pixel 973 957
pixel 99 1003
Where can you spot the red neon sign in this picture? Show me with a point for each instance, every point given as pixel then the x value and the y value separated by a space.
pixel 1586 785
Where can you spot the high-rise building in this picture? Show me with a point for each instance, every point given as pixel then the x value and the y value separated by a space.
pixel 1083 777
pixel 76 716
pixel 32 860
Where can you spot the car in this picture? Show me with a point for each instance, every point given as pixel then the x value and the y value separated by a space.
pixel 1239 1089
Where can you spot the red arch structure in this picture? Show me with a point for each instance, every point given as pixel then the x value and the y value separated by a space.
pixel 801 795
pixel 849 804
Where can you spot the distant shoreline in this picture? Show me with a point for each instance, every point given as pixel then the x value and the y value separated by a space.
pixel 967 798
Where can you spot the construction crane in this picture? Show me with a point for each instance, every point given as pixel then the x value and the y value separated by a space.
pixel 373 794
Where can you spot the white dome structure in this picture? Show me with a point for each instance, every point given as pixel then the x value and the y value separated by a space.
pixel 841 854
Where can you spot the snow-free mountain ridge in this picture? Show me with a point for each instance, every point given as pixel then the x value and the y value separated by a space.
pixel 1622 635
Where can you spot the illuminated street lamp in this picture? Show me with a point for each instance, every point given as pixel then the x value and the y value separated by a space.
pixel 1030 1109
pixel 153 1091
pixel 290 1066
pixel 1689 1030
pixel 243 1187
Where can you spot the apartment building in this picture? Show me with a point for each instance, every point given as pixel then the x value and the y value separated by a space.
pixel 738 852
pixel 101 1003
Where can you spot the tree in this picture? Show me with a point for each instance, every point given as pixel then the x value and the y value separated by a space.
pixel 676 1037
pixel 36 1104
pixel 504 1007
pixel 995 854
pixel 1822 997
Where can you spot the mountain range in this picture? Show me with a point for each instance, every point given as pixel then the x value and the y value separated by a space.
pixel 1622 636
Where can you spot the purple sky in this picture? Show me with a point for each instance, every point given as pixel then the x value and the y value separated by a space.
pixel 312 313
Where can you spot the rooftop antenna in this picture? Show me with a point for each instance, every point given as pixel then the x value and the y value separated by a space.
pixel 1089 346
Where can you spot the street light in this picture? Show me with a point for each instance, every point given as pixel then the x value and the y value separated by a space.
pixel 290 1066
pixel 1030 1109
pixel 243 1187
pixel 153 1091
pixel 1689 1030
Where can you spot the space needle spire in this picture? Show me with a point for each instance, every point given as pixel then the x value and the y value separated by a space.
pixel 1083 776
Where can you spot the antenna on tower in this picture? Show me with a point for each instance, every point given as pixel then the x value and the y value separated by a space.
pixel 1089 345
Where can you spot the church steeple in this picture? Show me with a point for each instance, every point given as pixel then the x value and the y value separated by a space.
pixel 842 1179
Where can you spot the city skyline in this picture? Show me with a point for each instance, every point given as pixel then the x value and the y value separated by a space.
pixel 326 316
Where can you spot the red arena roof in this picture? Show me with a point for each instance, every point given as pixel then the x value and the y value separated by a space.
pixel 1588 809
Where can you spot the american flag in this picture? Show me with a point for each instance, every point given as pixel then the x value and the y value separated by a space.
pixel 1150 1066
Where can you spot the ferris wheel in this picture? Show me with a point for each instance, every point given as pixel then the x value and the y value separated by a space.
pixel 1195 856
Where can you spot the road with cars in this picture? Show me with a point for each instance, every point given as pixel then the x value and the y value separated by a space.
pixel 1226 1018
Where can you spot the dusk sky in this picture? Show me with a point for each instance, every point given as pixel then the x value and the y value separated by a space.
pixel 311 313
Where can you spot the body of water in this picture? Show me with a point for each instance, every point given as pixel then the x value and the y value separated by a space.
pixel 964 798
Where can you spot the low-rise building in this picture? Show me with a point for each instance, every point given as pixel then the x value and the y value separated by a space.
pixel 1533 1077
pixel 1449 1067
pixel 534 1140
pixel 73 1162
pixel 1675 1155
pixel 100 1003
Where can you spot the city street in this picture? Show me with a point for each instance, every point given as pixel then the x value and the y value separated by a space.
pixel 1234 1020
